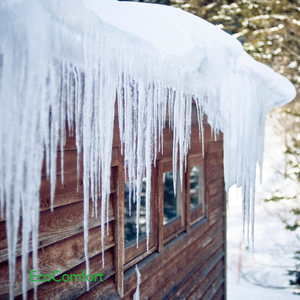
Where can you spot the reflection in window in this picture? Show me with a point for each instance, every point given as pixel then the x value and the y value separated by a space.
pixel 196 186
pixel 130 220
pixel 172 203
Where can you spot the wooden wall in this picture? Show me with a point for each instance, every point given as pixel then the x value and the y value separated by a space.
pixel 190 266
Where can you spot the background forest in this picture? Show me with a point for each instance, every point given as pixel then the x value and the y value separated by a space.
pixel 270 32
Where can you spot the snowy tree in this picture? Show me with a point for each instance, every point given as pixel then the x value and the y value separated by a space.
pixel 167 2
pixel 268 29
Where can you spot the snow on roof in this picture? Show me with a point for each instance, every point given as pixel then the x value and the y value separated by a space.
pixel 174 32
pixel 170 30
pixel 153 57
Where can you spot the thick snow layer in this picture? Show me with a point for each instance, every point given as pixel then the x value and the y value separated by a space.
pixel 170 30
pixel 74 58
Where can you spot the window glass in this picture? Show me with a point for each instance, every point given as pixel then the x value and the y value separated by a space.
pixel 172 202
pixel 130 219
pixel 196 186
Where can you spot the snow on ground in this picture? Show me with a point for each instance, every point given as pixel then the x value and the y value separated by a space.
pixel 274 247
pixel 246 291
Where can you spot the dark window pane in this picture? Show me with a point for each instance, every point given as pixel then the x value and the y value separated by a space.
pixel 130 220
pixel 196 186
pixel 172 204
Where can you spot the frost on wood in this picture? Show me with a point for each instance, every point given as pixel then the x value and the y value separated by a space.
pixel 67 62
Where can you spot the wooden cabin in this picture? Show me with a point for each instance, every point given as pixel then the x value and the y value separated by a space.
pixel 187 245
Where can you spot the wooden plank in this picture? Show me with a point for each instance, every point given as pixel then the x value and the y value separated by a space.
pixel 70 163
pixel 116 136
pixel 168 165
pixel 166 153
pixel 55 226
pixel 214 231
pixel 160 210
pixel 139 258
pixel 198 219
pixel 104 290
pixel 66 190
pixel 167 135
pixel 215 172
pixel 172 227
pixel 173 249
pixel 196 148
pixel 210 293
pixel 115 157
pixel 215 187
pixel 206 197
pixel 220 293
pixel 216 200
pixel 62 256
pixel 132 252
pixel 188 197
pixel 174 235
pixel 216 214
pixel 66 193
pixel 195 137
pixel 214 159
pixel 197 212
pixel 119 228
pixel 196 134
pixel 189 260
pixel 215 147
pixel 67 290
pixel 195 160
pixel 206 287
pixel 200 274
pixel 221 136
pixel 70 144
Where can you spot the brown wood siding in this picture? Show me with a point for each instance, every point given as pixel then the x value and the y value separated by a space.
pixel 190 265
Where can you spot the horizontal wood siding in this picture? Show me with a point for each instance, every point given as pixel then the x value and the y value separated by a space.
pixel 61 240
pixel 190 264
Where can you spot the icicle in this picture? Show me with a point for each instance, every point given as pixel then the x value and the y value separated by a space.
pixel 136 295
pixel 54 68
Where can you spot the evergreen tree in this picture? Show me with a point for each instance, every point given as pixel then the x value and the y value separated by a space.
pixel 268 29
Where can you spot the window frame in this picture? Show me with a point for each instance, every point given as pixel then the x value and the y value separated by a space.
pixel 175 227
pixel 132 254
pixel 162 234
pixel 197 213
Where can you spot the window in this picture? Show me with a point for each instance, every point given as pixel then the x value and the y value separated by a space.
pixel 132 253
pixel 172 203
pixel 171 212
pixel 196 197
pixel 195 192
pixel 130 213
